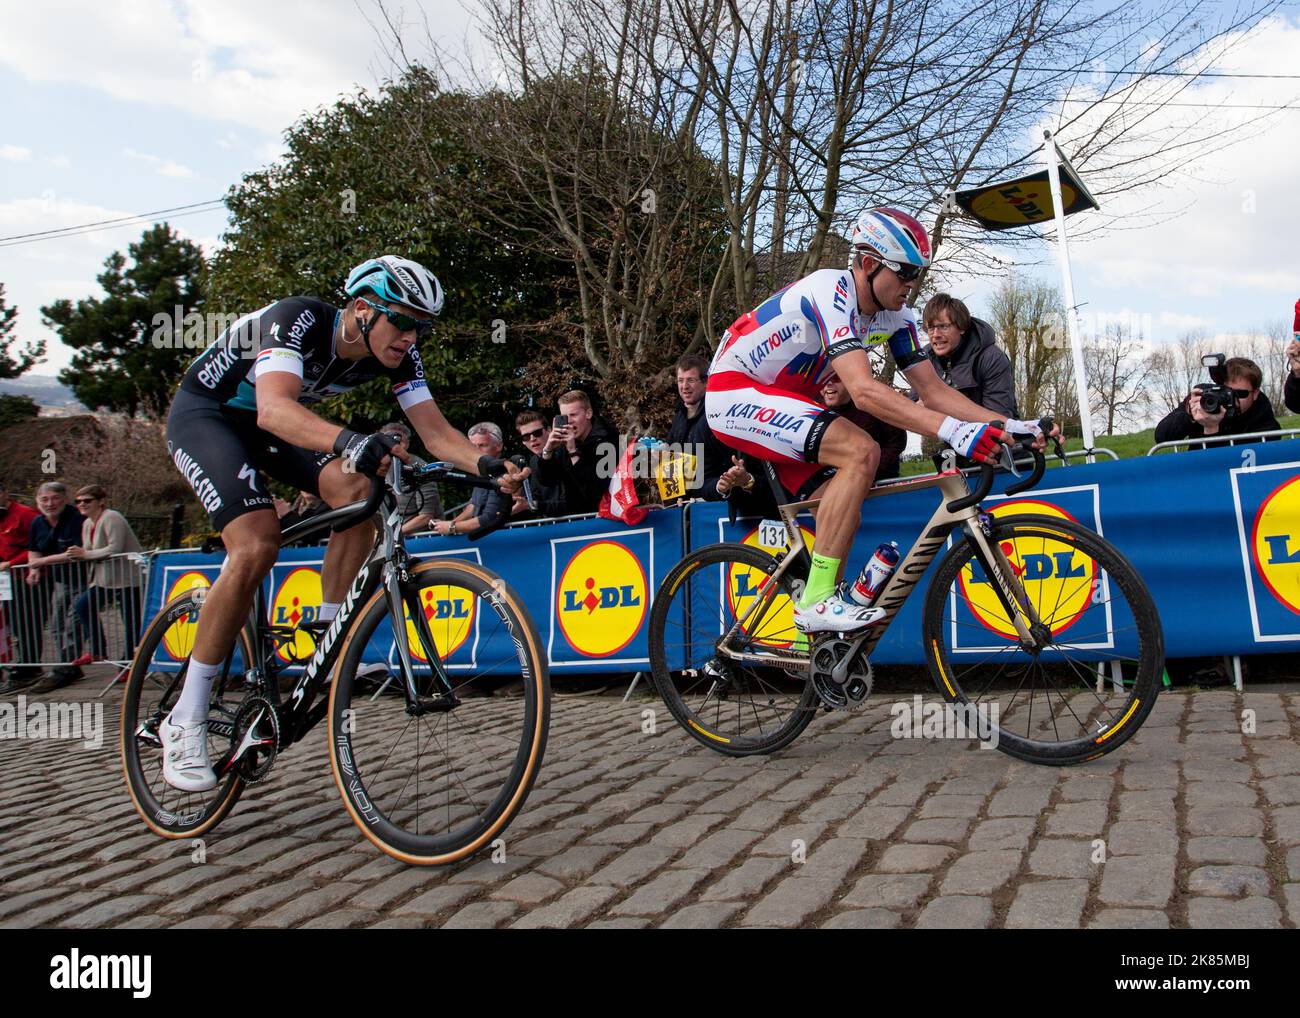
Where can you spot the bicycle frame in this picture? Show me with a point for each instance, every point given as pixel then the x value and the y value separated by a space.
pixel 952 485
pixel 387 564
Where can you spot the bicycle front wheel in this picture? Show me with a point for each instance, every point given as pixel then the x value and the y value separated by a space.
pixel 153 685
pixel 1090 676
pixel 434 789
pixel 743 694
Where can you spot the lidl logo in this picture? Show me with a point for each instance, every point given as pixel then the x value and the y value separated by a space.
pixel 449 614
pixel 1059 580
pixel 772 626
pixel 601 599
pixel 296 603
pixel 1275 543
pixel 179 638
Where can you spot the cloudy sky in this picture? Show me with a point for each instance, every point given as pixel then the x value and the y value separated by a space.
pixel 125 107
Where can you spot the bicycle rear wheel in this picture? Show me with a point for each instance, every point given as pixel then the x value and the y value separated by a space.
pixel 153 686
pixel 735 707
pixel 1093 615
pixel 434 789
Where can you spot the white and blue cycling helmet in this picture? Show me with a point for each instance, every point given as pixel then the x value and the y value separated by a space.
pixel 397 281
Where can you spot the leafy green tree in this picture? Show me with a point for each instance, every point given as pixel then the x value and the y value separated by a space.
pixel 12 366
pixel 136 341
pixel 389 174
pixel 16 409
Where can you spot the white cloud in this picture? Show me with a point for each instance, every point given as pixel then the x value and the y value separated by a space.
pixel 14 153
pixel 1236 237
pixel 60 162
pixel 1223 257
pixel 163 167
pixel 242 61
pixel 39 273
pixel 1182 322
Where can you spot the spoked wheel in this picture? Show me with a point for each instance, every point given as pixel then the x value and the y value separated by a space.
pixel 737 706
pixel 1092 622
pixel 153 686
pixel 437 787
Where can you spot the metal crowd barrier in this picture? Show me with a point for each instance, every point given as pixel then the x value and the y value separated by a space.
pixel 52 615
pixel 1216 440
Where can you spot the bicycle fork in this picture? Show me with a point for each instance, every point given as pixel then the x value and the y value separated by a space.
pixel 403 600
pixel 1006 583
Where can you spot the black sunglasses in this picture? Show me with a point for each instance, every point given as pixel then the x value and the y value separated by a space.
pixel 906 273
pixel 405 323
pixel 526 435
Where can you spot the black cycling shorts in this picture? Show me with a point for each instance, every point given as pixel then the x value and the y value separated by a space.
pixel 219 451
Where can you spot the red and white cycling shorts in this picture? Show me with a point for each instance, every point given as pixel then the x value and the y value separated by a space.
pixel 783 427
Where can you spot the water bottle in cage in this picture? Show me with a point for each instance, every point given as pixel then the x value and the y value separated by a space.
pixel 869 583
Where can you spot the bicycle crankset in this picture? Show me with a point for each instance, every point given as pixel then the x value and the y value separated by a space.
pixel 841 676
pixel 256 739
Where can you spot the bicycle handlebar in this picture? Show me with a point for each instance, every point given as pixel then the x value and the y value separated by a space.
pixel 988 470
pixel 431 471
pixel 443 471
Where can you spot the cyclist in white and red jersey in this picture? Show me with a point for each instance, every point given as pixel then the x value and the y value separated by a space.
pixel 764 382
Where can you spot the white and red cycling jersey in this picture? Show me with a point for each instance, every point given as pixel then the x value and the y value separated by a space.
pixel 767 374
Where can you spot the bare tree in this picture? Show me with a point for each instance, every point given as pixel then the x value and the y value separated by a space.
pixel 761 127
pixel 1117 371
pixel 1026 317
pixel 1174 368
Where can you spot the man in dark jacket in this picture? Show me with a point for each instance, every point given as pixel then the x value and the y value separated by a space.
pixel 573 452
pixel 533 429
pixel 965 354
pixel 1254 411
pixel 690 428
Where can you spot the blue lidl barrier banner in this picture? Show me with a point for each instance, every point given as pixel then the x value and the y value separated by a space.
pixel 1215 534
pixel 587 583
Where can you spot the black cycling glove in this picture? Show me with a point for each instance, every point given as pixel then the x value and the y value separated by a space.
pixel 490 466
pixel 363 452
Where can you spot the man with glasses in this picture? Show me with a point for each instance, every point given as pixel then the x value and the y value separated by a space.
pixel 1253 411
pixel 243 407
pixel 532 428
pixel 965 353
pixel 766 376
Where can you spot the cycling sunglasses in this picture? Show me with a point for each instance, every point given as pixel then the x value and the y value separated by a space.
pixel 403 322
pixel 906 273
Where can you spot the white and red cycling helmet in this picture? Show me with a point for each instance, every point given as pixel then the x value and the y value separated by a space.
pixel 892 237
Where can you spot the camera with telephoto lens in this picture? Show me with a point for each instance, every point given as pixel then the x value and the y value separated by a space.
pixel 1216 397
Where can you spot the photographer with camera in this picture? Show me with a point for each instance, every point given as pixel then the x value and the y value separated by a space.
pixel 1229 404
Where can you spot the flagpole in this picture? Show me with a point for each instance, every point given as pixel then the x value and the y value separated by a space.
pixel 1067 282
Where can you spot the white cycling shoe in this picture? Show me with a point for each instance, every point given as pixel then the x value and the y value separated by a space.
pixel 185 756
pixel 835 614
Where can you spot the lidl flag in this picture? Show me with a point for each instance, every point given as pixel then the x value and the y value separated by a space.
pixel 1025 201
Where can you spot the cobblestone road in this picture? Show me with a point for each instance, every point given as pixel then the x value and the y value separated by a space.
pixel 1200 824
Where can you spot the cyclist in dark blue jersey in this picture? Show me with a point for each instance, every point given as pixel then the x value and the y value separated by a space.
pixel 242 407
